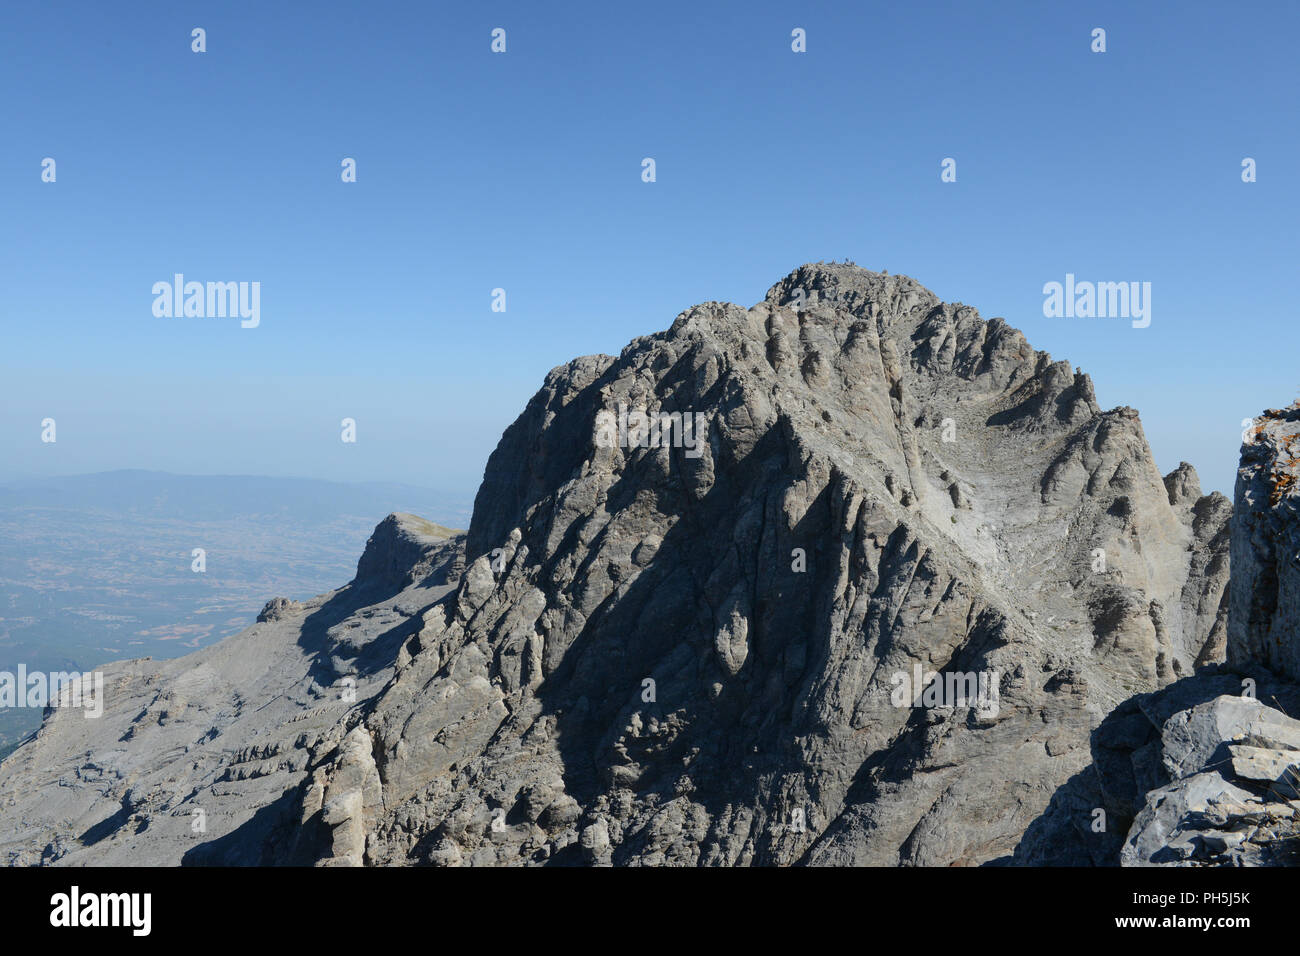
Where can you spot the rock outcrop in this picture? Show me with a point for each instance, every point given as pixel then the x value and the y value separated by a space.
pixel 1205 772
pixel 1198 773
pixel 212 758
pixel 691 651
pixel 699 643
pixel 1264 625
pixel 1233 767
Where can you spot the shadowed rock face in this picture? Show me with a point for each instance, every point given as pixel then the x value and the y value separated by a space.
pixel 1194 774
pixel 886 481
pixel 1206 771
pixel 1265 618
pixel 687 654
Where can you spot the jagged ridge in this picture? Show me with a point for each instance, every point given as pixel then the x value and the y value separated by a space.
pixel 886 481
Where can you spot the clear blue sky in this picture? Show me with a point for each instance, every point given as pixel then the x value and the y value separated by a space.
pixel 522 171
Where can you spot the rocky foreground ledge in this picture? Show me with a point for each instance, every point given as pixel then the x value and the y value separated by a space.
pixel 1234 763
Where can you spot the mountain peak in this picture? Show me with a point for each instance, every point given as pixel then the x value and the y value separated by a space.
pixel 668 645
pixel 403 548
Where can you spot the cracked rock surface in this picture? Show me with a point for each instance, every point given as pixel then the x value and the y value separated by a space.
pixel 689 653
pixel 1265 592
pixel 210 758
pixel 1205 771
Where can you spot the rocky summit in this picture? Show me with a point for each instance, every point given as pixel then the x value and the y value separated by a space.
pixel 852 576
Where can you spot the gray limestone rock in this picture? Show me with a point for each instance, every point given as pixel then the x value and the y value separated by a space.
pixel 237 754
pixel 1265 590
pixel 698 645
pixel 1232 765
pixel 1207 770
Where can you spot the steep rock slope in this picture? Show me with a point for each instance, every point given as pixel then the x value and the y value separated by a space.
pixel 691 652
pixel 886 481
pixel 1265 619
pixel 205 758
pixel 1206 772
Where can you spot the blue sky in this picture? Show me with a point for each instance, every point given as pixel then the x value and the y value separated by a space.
pixel 522 171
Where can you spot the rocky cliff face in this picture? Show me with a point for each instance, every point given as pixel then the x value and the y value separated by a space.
pixel 703 648
pixel 1206 772
pixel 1201 773
pixel 662 658
pixel 1265 619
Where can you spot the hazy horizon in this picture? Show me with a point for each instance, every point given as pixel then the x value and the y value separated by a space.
pixel 376 296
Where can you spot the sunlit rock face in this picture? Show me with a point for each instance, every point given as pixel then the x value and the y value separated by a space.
pixel 712 644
